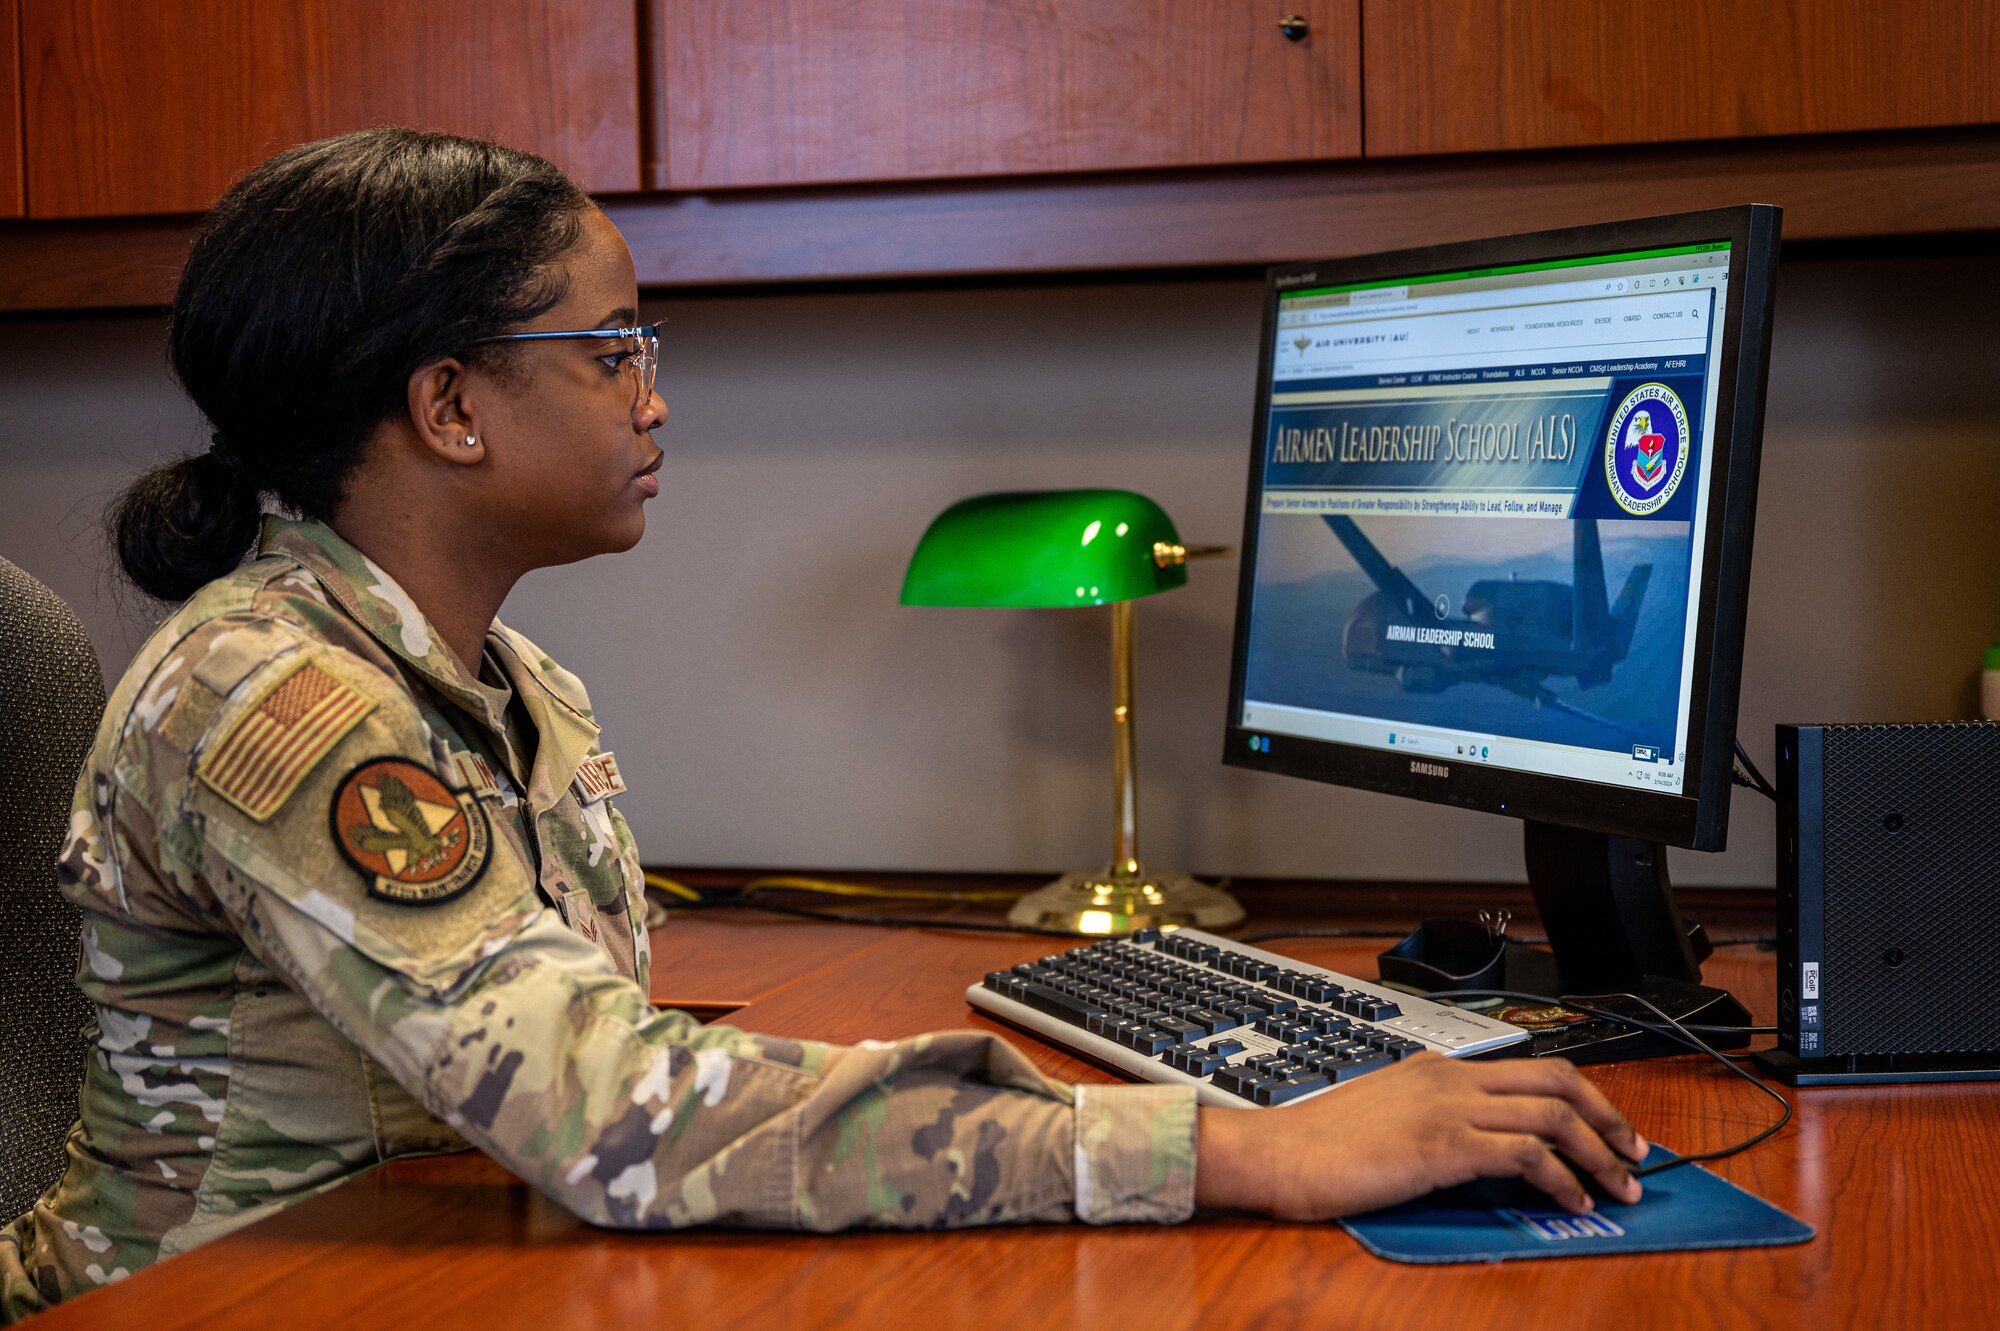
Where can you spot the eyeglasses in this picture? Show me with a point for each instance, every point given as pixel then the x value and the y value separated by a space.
pixel 641 351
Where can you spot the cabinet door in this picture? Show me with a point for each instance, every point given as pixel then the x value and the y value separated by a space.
pixel 13 202
pixel 154 107
pixel 789 92
pixel 1476 75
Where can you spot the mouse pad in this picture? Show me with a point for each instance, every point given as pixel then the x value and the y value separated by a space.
pixel 1682 1209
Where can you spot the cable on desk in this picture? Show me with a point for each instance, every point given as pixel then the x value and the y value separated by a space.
pixel 1672 1030
pixel 1322 933
pixel 826 887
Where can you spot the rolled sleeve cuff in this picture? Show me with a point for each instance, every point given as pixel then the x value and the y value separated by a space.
pixel 1134 1153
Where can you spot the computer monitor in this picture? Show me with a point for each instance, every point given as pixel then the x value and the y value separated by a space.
pixel 1496 554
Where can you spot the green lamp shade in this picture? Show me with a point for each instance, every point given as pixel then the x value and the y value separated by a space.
pixel 1043 548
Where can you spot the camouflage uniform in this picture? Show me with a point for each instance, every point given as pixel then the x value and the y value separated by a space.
pixel 343 903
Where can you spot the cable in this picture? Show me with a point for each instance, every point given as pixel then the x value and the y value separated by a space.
pixel 826 887
pixel 1672 1030
pixel 1323 933
pixel 1750 776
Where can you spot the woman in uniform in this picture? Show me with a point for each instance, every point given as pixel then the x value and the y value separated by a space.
pixel 354 884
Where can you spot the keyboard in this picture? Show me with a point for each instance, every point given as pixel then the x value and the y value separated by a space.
pixel 1237 1023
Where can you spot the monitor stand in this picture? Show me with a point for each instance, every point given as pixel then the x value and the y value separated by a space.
pixel 1613 927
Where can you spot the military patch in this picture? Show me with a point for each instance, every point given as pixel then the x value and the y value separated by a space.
pixel 597 778
pixel 188 719
pixel 474 773
pixel 260 759
pixel 415 839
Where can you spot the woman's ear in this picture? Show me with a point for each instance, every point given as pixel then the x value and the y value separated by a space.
pixel 443 413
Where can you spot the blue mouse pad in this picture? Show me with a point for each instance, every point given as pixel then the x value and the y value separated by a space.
pixel 1682 1209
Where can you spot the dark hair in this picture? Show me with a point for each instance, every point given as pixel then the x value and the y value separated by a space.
pixel 321 281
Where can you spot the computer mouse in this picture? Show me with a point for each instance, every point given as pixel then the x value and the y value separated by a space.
pixel 1510 1194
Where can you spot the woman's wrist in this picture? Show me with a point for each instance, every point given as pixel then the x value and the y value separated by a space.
pixel 1228 1173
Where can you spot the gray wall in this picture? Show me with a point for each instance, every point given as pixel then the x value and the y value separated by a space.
pixel 772 705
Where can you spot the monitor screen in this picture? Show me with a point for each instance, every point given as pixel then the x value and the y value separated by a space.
pixel 1480 513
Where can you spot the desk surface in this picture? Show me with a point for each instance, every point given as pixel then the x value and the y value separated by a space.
pixel 1900 1181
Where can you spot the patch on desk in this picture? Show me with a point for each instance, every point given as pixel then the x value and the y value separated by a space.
pixel 1564 1227
pixel 597 778
pixel 1533 1018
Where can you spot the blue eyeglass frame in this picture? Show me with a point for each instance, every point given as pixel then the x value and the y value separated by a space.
pixel 647 357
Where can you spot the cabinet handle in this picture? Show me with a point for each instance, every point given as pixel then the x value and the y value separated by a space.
pixel 1294 28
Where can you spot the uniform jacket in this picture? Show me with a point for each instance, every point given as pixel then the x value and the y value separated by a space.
pixel 344 902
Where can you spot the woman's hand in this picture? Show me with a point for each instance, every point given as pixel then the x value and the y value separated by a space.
pixel 1429 1122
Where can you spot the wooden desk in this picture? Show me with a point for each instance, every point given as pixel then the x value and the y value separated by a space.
pixel 1900 1181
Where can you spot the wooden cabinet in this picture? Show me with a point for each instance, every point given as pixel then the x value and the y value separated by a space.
pixel 793 92
pixel 153 107
pixel 1009 136
pixel 1450 76
pixel 13 193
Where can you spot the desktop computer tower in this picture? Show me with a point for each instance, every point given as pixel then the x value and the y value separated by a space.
pixel 1888 903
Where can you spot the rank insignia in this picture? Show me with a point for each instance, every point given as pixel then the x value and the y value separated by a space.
pixel 259 761
pixel 415 839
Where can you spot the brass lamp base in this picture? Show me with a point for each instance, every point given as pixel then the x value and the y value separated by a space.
pixel 1102 902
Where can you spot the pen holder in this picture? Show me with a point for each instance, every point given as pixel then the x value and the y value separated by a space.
pixel 1447 954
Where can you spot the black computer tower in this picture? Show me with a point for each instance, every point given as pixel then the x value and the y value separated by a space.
pixel 1888 903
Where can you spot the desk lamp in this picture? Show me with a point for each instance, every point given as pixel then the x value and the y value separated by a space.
pixel 1061 548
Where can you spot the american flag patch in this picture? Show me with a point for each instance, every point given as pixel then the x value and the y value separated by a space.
pixel 597 777
pixel 260 760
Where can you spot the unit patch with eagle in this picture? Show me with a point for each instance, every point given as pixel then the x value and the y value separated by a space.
pixel 416 840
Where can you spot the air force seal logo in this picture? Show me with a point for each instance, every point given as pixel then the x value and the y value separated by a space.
pixel 1646 449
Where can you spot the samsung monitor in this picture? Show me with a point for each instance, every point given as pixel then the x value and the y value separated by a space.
pixel 1497 555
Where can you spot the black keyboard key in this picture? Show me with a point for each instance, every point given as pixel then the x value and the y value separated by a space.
pixel 1319 991
pixel 1149 1041
pixel 1231 1078
pixel 1380 1010
pixel 1215 1023
pixel 1351 1068
pixel 1201 1063
pixel 1281 1092
pixel 1227 1048
pixel 1180 1030
pixel 1146 937
pixel 1044 998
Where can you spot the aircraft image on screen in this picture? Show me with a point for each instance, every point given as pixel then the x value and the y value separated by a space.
pixel 1511 632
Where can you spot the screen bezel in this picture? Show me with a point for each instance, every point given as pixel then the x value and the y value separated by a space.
pixel 1698 816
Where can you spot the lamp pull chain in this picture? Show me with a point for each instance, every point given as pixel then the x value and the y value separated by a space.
pixel 1124 750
